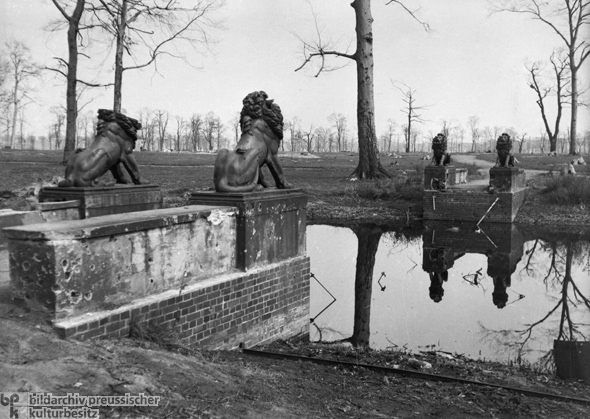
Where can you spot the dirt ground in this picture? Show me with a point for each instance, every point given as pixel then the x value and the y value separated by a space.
pixel 233 384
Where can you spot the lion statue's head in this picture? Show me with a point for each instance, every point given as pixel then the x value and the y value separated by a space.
pixel 504 143
pixel 129 125
pixel 439 143
pixel 257 105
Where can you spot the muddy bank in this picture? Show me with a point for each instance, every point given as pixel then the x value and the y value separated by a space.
pixel 204 384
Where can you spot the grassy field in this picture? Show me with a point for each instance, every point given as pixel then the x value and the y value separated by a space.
pixel 325 177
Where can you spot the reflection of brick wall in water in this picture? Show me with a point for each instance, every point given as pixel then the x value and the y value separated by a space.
pixel 249 307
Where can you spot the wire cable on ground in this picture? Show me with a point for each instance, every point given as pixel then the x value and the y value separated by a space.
pixel 414 374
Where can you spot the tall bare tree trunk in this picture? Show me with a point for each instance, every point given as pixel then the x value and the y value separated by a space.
pixel 122 26
pixel 574 107
pixel 72 80
pixel 369 166
pixel 15 103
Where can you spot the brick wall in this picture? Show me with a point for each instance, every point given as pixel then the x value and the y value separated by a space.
pixel 250 307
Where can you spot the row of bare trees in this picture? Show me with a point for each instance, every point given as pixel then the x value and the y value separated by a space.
pixel 139 31
pixel 18 74
pixel 144 30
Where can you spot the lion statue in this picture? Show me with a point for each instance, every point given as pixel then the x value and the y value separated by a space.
pixel 115 139
pixel 261 122
pixel 503 146
pixel 440 157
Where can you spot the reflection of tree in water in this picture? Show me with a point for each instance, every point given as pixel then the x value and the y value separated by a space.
pixel 368 242
pixel 572 300
pixel 368 237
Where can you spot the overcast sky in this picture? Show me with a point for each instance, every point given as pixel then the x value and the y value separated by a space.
pixel 470 63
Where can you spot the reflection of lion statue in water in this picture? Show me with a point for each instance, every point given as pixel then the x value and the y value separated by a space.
pixel 114 142
pixel 261 122
pixel 503 146
pixel 440 157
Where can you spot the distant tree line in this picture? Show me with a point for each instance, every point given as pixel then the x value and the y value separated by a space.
pixel 144 29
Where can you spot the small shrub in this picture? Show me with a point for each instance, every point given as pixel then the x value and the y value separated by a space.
pixel 408 188
pixel 567 190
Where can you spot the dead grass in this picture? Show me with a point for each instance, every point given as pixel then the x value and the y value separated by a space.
pixel 566 190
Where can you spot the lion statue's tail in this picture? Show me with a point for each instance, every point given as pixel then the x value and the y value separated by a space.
pixel 66 183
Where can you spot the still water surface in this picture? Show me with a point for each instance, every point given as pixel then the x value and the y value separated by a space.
pixel 502 295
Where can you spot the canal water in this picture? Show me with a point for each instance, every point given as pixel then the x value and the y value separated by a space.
pixel 493 293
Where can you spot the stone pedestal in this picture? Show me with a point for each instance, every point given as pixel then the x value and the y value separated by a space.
pixel 507 179
pixel 434 175
pixel 71 268
pixel 97 201
pixel 270 223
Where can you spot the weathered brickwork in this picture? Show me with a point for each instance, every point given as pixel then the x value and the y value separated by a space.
pixel 468 205
pixel 251 307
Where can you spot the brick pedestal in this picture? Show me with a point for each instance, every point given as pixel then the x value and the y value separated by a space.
pixel 97 201
pixel 270 223
pixel 507 179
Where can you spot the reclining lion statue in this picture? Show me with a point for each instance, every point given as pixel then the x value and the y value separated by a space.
pixel 261 122
pixel 503 146
pixel 114 142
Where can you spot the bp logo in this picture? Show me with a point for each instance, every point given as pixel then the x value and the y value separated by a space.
pixel 13 406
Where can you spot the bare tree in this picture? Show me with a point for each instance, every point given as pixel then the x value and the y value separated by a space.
pixel 339 123
pixel 410 111
pixel 149 29
pixel 83 125
pixel 388 135
pixel 293 127
pixel 4 96
pixel 520 141
pixel 56 127
pixel 235 124
pixel 369 166
pixel 195 128
pixel 161 120
pixel 323 139
pixel 219 128
pixel 180 127
pixel 69 68
pixel 568 19
pixel 22 71
pixel 308 138
pixel 209 129
pixel 473 122
pixel 559 65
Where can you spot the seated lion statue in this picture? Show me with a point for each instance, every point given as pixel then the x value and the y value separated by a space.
pixel 503 146
pixel 440 157
pixel 114 143
pixel 261 122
